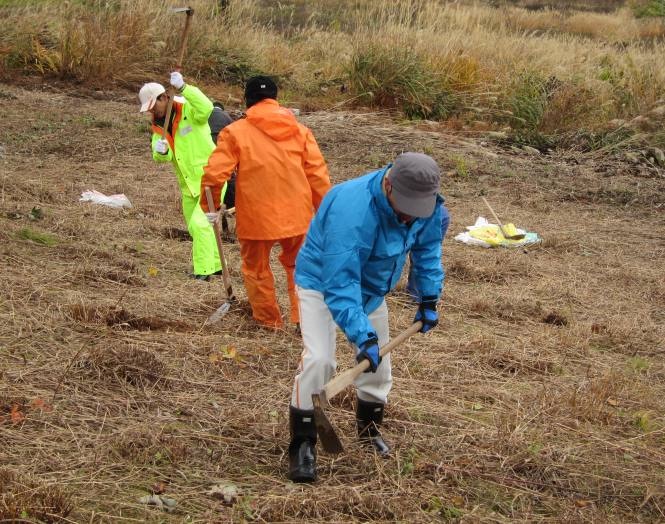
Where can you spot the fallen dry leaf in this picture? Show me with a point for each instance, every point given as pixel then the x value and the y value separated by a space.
pixel 40 403
pixel 458 501
pixel 225 352
pixel 158 488
pixel 230 352
pixel 582 503
pixel 598 328
pixel 16 414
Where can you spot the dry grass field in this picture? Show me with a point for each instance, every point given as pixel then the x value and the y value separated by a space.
pixel 539 398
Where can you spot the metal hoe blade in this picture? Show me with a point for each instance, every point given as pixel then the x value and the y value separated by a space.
pixel 327 434
pixel 502 228
pixel 218 314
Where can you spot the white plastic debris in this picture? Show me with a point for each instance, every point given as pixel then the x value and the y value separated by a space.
pixel 117 201
pixel 160 501
pixel 228 493
pixel 484 234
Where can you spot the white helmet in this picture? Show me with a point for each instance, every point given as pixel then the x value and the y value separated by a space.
pixel 148 95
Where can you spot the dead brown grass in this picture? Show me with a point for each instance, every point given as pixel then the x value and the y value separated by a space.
pixel 24 499
pixel 539 399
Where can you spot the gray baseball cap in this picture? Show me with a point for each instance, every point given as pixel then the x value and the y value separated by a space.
pixel 415 180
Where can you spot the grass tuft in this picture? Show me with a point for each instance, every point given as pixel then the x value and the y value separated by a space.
pixel 45 239
pixel 23 498
pixel 391 77
pixel 652 9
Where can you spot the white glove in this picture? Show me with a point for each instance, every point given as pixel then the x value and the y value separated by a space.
pixel 176 80
pixel 212 217
pixel 161 146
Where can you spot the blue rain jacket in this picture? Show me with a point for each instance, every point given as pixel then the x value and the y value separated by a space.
pixel 356 248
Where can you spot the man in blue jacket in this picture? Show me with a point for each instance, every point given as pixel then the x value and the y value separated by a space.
pixel 352 257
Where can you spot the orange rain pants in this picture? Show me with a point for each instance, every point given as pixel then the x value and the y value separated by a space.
pixel 260 282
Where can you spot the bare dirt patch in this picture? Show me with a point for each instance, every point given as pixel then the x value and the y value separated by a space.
pixel 540 396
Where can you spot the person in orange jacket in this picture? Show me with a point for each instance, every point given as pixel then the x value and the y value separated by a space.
pixel 281 180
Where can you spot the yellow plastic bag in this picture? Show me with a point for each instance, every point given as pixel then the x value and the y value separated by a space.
pixel 492 234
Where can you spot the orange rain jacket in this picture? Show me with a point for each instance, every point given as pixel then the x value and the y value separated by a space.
pixel 282 175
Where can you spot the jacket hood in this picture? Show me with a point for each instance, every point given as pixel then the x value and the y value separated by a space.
pixel 274 120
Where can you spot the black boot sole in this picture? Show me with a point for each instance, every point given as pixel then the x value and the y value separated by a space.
pixel 378 445
pixel 302 477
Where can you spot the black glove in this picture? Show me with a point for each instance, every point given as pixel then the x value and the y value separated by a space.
pixel 370 350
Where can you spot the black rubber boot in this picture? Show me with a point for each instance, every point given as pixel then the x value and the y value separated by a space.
pixel 302 450
pixel 369 416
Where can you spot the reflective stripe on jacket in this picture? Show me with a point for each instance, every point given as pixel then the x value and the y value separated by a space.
pixel 356 248
pixel 282 175
pixel 190 143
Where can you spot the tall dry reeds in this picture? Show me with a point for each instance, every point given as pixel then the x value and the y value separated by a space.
pixel 422 57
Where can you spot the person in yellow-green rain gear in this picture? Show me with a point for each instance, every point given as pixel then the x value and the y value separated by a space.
pixel 187 145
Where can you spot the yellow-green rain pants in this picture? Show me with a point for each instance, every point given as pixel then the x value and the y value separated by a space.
pixel 205 255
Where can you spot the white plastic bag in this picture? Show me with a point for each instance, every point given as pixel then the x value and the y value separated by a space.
pixel 484 234
pixel 117 201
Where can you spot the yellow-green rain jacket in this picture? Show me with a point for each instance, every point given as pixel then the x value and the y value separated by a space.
pixel 190 140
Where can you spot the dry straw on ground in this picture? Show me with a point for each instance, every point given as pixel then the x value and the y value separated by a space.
pixel 540 397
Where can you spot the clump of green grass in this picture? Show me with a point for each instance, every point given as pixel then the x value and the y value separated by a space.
pixel 461 166
pixel 638 364
pixel 95 122
pixel 527 102
pixel 437 506
pixel 611 141
pixel 642 421
pixel 652 9
pixel 233 66
pixel 38 237
pixel 389 76
pixel 408 464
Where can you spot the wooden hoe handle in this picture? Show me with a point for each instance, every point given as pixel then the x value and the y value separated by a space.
pixel 493 213
pixel 346 378
pixel 178 67
pixel 220 247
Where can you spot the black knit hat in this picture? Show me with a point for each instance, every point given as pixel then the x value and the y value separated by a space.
pixel 259 88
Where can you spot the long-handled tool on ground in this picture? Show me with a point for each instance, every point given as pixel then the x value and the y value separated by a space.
pixel 224 308
pixel 327 434
pixel 506 233
pixel 178 66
